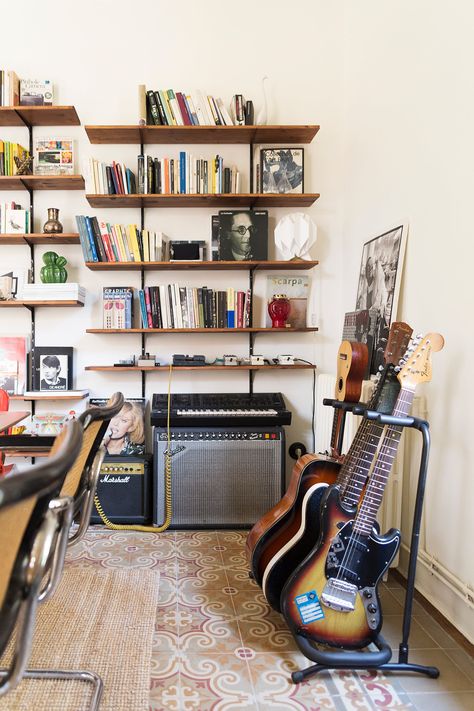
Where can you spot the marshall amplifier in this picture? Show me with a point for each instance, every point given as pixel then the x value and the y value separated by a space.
pixel 124 489
pixel 221 477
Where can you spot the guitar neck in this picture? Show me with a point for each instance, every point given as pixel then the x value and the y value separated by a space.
pixel 383 464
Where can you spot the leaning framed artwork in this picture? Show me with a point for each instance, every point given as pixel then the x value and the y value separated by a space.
pixel 282 170
pixel 379 284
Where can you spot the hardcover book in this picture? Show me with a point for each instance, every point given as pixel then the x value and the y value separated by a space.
pixel 54 156
pixel 126 433
pixel 52 368
pixel 36 92
pixel 117 306
pixel 296 288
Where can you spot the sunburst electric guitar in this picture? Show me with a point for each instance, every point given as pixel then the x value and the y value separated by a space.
pixel 351 479
pixel 332 597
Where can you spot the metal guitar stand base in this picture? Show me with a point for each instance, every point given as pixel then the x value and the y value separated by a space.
pixel 380 658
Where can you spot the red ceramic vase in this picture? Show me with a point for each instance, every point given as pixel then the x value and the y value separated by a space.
pixel 279 310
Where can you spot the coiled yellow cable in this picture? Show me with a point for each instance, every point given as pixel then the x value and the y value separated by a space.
pixel 168 497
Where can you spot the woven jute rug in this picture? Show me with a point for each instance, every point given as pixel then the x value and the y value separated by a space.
pixel 97 620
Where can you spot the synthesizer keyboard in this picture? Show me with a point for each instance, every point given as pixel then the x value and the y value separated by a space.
pixel 220 410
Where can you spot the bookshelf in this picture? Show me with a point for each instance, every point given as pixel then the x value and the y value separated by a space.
pixel 16 303
pixel 39 238
pixel 38 116
pixel 225 200
pixel 308 329
pixel 211 266
pixel 202 368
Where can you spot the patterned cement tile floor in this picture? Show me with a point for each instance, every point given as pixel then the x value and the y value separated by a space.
pixel 218 646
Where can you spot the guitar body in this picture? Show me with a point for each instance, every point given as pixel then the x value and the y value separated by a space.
pixel 332 596
pixel 352 362
pixel 283 521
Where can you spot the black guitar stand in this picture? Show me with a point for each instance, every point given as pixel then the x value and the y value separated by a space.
pixel 379 659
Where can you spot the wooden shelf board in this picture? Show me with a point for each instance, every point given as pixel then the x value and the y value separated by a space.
pixel 40 238
pixel 38 116
pixel 296 200
pixel 42 182
pixel 15 303
pixel 202 134
pixel 166 368
pixel 200 330
pixel 26 452
pixel 58 396
pixel 181 265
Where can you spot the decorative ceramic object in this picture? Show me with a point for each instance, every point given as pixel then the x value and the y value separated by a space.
pixel 262 116
pixel 53 271
pixel 279 310
pixel 52 226
pixel 295 234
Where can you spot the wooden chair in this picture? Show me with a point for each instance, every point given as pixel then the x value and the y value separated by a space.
pixel 32 520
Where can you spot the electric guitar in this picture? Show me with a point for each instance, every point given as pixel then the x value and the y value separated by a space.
pixel 274 530
pixel 332 597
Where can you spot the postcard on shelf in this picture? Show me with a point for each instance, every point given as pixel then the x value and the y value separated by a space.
pixel 36 92
pixel 126 432
pixel 243 235
pixel 54 156
pixel 282 170
pixel 13 364
pixel 52 368
pixel 296 289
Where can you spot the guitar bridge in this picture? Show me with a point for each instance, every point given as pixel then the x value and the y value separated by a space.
pixel 339 595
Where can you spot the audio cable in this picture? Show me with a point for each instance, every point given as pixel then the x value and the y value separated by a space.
pixel 168 495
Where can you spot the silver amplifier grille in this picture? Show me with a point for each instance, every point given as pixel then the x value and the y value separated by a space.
pixel 226 480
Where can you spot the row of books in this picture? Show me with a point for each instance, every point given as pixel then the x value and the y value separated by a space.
pixel 175 306
pixel 14 219
pixel 9 88
pixel 165 107
pixel 8 152
pixel 164 176
pixel 105 242
pixel 26 92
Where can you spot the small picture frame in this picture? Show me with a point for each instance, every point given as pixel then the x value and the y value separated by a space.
pixel 52 368
pixel 282 170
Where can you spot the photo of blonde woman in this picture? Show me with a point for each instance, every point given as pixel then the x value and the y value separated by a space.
pixel 126 433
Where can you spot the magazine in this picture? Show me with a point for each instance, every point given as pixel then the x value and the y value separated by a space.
pixel 125 435
pixel 54 156
pixel 296 288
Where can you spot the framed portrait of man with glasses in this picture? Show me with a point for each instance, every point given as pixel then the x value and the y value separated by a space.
pixel 243 235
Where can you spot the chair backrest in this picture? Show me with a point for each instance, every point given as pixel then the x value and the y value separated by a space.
pixel 95 421
pixel 24 502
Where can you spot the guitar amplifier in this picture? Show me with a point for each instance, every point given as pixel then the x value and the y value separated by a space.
pixel 221 477
pixel 123 489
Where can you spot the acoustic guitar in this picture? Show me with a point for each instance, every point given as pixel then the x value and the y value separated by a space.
pixel 352 362
pixel 332 597
pixel 273 531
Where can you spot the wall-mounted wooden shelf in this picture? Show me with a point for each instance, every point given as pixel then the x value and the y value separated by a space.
pixel 38 116
pixel 15 303
pixel 42 182
pixel 295 200
pixel 57 396
pixel 201 134
pixel 200 330
pixel 40 238
pixel 181 265
pixel 27 452
pixel 202 368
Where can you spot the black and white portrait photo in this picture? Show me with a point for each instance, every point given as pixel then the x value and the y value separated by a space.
pixel 282 170
pixel 379 284
pixel 243 235
pixel 52 368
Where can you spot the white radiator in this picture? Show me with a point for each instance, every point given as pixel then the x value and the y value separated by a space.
pixel 390 512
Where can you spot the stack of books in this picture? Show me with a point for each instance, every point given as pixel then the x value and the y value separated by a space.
pixel 14 219
pixel 104 242
pixel 69 291
pixel 165 107
pixel 9 88
pixel 8 152
pixel 175 306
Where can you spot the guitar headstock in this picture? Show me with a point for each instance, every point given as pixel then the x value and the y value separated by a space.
pixel 417 367
pixel 397 342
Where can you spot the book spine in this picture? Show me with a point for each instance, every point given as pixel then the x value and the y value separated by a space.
pixel 94 248
pixel 154 108
pixel 240 309
pixel 230 308
pixel 182 173
pixel 183 109
pixel 148 307
pixel 83 236
pixel 161 110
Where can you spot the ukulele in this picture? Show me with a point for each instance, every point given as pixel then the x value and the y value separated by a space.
pixel 332 597
pixel 282 522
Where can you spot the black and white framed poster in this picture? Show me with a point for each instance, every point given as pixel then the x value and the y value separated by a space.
pixel 282 170
pixel 379 284
pixel 243 235
pixel 52 368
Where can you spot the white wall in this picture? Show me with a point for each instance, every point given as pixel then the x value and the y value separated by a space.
pixel 389 84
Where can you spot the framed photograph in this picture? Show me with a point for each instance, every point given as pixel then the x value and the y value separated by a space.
pixel 243 235
pixel 379 284
pixel 282 170
pixel 54 156
pixel 126 432
pixel 52 368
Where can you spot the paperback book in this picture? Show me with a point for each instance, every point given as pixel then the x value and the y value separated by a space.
pixel 296 288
